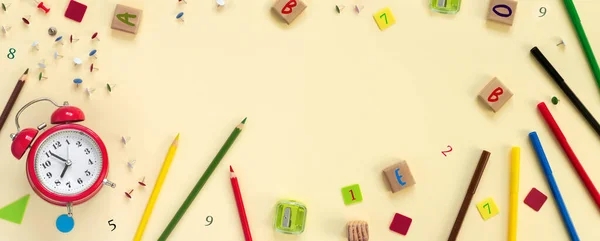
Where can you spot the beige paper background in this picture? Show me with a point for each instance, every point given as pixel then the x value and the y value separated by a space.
pixel 330 100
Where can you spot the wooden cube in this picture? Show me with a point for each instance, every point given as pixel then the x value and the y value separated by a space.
pixel 502 11
pixel 399 176
pixel 358 231
pixel 289 9
pixel 126 19
pixel 495 94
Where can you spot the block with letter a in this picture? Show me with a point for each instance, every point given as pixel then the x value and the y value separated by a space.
pixel 289 9
pixel 495 94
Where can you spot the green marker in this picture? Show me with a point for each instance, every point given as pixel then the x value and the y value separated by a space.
pixel 585 44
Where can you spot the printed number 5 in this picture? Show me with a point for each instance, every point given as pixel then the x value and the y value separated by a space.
pixel 488 208
pixel 112 224
pixel 384 17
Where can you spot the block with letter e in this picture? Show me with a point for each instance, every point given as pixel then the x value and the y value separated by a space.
pixel 126 19
pixel 399 176
pixel 495 94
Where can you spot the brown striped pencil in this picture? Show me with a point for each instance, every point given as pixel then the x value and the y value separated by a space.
pixel 13 98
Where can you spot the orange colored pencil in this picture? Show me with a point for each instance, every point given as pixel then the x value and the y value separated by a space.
pixel 240 205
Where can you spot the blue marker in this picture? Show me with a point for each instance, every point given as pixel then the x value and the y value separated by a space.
pixel 539 150
pixel 399 177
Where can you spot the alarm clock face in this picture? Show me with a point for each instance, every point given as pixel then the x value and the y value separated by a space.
pixel 68 162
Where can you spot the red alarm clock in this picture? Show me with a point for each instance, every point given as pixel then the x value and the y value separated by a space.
pixel 67 163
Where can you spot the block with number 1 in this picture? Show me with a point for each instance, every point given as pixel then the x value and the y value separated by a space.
pixel 352 194
pixel 384 18
pixel 487 208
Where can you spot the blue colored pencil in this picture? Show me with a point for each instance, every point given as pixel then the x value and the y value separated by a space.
pixel 539 150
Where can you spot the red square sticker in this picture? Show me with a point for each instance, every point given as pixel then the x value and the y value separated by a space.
pixel 75 11
pixel 400 224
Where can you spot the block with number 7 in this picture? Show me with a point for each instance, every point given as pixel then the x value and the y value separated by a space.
pixel 495 94
pixel 487 208
pixel 384 18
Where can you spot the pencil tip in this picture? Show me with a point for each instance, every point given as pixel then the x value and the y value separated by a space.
pixel 176 138
pixel 26 71
pixel 230 168
pixel 244 121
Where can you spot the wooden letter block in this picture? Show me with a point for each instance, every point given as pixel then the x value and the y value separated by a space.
pixel 487 208
pixel 358 231
pixel 289 9
pixel 399 176
pixel 502 11
pixel 495 94
pixel 126 19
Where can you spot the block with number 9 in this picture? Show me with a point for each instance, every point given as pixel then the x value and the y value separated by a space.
pixel 384 18
pixel 487 208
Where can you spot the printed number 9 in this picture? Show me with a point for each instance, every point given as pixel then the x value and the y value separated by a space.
pixel 542 11
pixel 209 219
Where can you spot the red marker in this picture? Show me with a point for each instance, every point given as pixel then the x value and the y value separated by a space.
pixel 560 137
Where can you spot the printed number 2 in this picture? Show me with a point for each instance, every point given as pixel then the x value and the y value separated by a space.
pixel 351 192
pixel 488 208
pixel 505 15
pixel 112 224
pixel 444 152
pixel 384 17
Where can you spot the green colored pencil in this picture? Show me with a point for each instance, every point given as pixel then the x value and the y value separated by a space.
pixel 215 162
pixel 585 44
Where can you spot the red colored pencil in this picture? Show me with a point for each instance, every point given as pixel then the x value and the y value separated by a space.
pixel 560 137
pixel 240 205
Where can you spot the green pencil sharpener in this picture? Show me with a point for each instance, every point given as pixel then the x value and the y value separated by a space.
pixel 445 6
pixel 290 217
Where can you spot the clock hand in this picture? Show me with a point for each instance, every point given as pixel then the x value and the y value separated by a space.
pixel 67 165
pixel 60 158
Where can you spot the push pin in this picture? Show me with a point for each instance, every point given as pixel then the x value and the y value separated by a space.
pixel 41 76
pixel 72 39
pixel 125 139
pixel 358 8
pixel 339 8
pixel 77 61
pixel 220 3
pixel 36 45
pixel 93 53
pixel 42 64
pixel 180 16
pixel 182 1
pixel 42 7
pixel 57 56
pixel 110 87
pixel 52 31
pixel 5 6
pixel 90 91
pixel 77 81
pixel 95 36
pixel 562 42
pixel 130 164
pixel 128 194
pixel 92 68
pixel 26 19
pixel 554 100
pixel 142 182
pixel 5 29
pixel 59 40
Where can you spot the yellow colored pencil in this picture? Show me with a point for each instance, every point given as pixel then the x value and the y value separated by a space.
pixel 515 168
pixel 157 186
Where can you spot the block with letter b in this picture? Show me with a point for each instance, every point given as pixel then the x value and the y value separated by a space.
pixel 502 11
pixel 495 94
pixel 126 19
pixel 398 176
pixel 289 9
